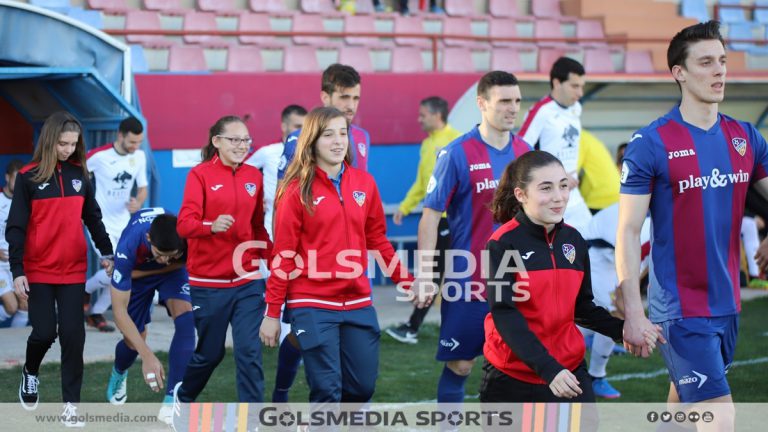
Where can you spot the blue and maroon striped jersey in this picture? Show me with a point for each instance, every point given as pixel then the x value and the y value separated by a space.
pixel 463 183
pixel 698 180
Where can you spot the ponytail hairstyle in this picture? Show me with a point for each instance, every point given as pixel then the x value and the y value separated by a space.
pixel 209 151
pixel 517 175
pixel 302 167
pixel 45 154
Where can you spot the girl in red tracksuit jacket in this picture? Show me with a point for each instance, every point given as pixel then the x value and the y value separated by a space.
pixel 328 216
pixel 48 254
pixel 221 216
pixel 534 351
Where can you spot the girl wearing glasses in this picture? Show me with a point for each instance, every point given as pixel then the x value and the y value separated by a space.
pixel 329 213
pixel 221 211
pixel 48 254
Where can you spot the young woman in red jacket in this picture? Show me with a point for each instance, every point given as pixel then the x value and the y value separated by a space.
pixel 48 254
pixel 328 215
pixel 534 351
pixel 222 210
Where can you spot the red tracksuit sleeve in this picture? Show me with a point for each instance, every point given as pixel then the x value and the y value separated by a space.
pixel 288 221
pixel 190 223
pixel 376 238
pixel 257 222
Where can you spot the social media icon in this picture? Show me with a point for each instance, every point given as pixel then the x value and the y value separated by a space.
pixel 679 416
pixel 693 416
pixel 652 417
pixel 708 417
pixel 666 416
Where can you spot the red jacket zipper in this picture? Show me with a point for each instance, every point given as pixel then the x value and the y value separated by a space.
pixel 554 267
pixel 61 180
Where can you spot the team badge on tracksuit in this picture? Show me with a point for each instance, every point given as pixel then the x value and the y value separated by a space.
pixel 359 197
pixel 570 252
pixel 740 144
pixel 77 184
pixel 250 188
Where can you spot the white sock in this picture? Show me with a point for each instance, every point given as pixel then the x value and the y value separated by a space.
pixel 3 314
pixel 21 319
pixel 602 348
pixel 103 302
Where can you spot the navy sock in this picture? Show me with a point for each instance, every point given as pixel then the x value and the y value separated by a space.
pixel 450 388
pixel 182 347
pixel 124 356
pixel 288 360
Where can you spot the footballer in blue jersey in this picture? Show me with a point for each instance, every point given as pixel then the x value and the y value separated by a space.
pixel 692 168
pixel 150 258
pixel 463 183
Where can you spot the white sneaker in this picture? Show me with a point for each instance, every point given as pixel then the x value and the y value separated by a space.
pixel 180 414
pixel 69 417
pixel 165 415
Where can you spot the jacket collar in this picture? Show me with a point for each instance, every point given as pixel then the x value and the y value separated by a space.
pixel 536 229
pixel 216 161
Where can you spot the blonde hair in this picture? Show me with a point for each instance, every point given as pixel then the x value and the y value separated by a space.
pixel 302 168
pixel 46 157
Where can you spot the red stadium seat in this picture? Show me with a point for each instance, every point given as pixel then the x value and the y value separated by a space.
pixel 504 9
pixel 359 56
pixel 218 6
pixel 590 29
pixel 547 57
pixel 638 62
pixel 457 60
pixel 360 24
pixel 255 22
pixel 138 20
pixel 459 7
pixel 414 25
pixel 308 23
pixel 546 8
pixel 546 28
pixel 407 60
pixel 300 59
pixel 119 7
pixel 506 59
pixel 166 6
pixel 194 20
pixel 459 27
pixel 186 58
pixel 269 6
pixel 244 59
pixel 597 61
pixel 318 7
pixel 506 28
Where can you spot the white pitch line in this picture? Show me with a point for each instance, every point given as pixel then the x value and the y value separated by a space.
pixel 647 375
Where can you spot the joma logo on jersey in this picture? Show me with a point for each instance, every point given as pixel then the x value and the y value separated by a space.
pixel 486 184
pixel 716 180
pixel 681 153
pixel 479 166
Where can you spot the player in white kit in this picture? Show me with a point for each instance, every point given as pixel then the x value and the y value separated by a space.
pixel 13 308
pixel 116 167
pixel 553 124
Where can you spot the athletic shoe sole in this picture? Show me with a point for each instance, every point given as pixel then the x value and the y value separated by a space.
pixel 399 338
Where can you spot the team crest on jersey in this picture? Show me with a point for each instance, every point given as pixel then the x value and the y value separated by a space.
pixel 740 144
pixel 570 252
pixel 361 148
pixel 283 162
pixel 359 197
pixel 77 184
pixel 250 188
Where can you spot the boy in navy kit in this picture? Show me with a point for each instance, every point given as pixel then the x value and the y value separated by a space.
pixel 685 167
pixel 463 183
pixel 150 258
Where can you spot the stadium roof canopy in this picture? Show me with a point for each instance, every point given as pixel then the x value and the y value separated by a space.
pixel 50 62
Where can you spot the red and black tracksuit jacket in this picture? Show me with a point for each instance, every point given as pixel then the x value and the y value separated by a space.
pixel 44 231
pixel 336 236
pixel 214 189
pixel 533 339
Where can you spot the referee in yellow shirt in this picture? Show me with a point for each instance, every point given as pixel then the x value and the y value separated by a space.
pixel 433 115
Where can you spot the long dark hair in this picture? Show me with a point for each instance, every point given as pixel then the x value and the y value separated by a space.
pixel 517 175
pixel 209 151
pixel 302 167
pixel 45 154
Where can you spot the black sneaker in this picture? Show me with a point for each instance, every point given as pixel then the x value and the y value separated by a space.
pixel 98 321
pixel 404 333
pixel 28 390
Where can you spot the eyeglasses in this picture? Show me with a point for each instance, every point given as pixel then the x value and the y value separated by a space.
pixel 237 142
